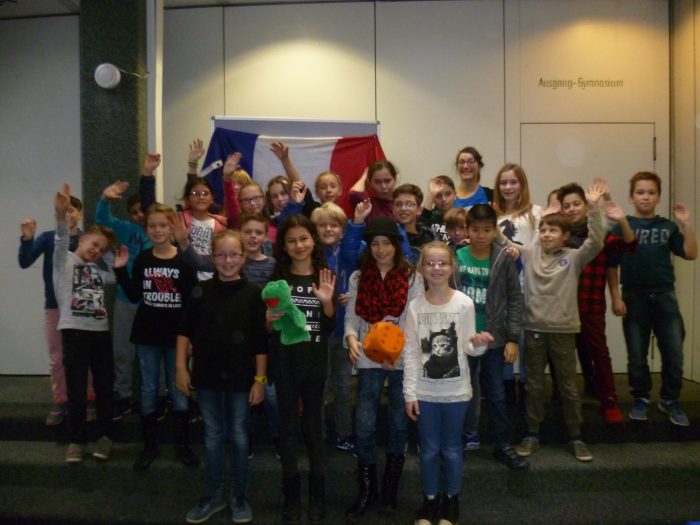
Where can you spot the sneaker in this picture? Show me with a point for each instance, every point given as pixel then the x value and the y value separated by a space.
pixel 510 458
pixel 346 444
pixel 471 441
pixel 103 448
pixel 206 508
pixel 91 412
pixel 528 446
pixel 57 415
pixel 674 412
pixel 581 451
pixel 611 413
pixel 74 453
pixel 122 407
pixel 241 511
pixel 639 409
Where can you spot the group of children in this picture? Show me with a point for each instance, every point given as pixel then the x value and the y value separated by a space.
pixel 474 278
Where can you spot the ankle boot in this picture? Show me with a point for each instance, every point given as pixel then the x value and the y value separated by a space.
pixel 149 430
pixel 428 513
pixel 317 498
pixel 367 490
pixel 449 510
pixel 390 482
pixel 292 499
pixel 182 438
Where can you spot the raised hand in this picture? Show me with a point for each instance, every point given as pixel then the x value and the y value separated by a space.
pixel 62 202
pixel 196 151
pixel 595 191
pixel 298 192
pixel 681 213
pixel 233 161
pixel 28 227
pixel 362 211
pixel 613 211
pixel 554 207
pixel 179 228
pixel 602 182
pixel 115 191
pixel 326 286
pixel 280 149
pixel 151 163
pixel 122 257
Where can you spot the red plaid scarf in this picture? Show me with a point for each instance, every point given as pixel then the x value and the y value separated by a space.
pixel 377 297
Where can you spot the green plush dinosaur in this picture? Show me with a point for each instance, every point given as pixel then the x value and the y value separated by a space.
pixel 292 325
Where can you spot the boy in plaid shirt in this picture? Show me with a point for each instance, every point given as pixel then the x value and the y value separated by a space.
pixel 591 343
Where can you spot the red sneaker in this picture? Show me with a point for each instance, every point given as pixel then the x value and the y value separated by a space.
pixel 611 414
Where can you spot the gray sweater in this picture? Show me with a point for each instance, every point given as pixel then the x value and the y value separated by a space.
pixel 551 280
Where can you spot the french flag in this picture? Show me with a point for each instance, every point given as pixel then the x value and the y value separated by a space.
pixel 346 156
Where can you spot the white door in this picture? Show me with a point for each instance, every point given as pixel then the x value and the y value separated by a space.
pixel 556 154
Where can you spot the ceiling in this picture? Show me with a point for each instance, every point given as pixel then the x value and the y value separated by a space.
pixel 32 8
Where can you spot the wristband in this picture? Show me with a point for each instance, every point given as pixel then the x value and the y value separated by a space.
pixel 260 379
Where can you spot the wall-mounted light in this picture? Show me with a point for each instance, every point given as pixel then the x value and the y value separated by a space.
pixel 108 75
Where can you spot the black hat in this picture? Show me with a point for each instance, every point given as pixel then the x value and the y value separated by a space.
pixel 382 226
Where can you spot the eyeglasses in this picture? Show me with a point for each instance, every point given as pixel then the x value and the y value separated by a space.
pixel 251 200
pixel 436 264
pixel 462 162
pixel 224 256
pixel 203 193
pixel 405 204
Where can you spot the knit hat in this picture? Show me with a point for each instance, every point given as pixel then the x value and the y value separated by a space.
pixel 385 226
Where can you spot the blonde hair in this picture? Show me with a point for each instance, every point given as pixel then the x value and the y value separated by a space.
pixel 329 212
pixel 157 207
pixel 223 234
pixel 331 174
pixel 436 245
pixel 241 177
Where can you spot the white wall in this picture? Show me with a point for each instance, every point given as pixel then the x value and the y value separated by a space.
pixel 40 149
pixel 686 158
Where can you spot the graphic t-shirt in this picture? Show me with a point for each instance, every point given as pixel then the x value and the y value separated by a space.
pixel 474 282
pixel 162 286
pixel 200 239
pixel 87 292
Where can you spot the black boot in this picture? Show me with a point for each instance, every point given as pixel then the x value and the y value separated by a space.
pixel 292 499
pixel 427 514
pixel 390 483
pixel 367 493
pixel 182 439
pixel 149 429
pixel 449 510
pixel 317 498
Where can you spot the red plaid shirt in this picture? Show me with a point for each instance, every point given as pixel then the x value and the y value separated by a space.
pixel 591 284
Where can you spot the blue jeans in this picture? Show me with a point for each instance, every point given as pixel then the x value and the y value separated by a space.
pixel 658 312
pixel 490 370
pixel 150 358
pixel 226 416
pixel 370 384
pixel 439 427
pixel 272 411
